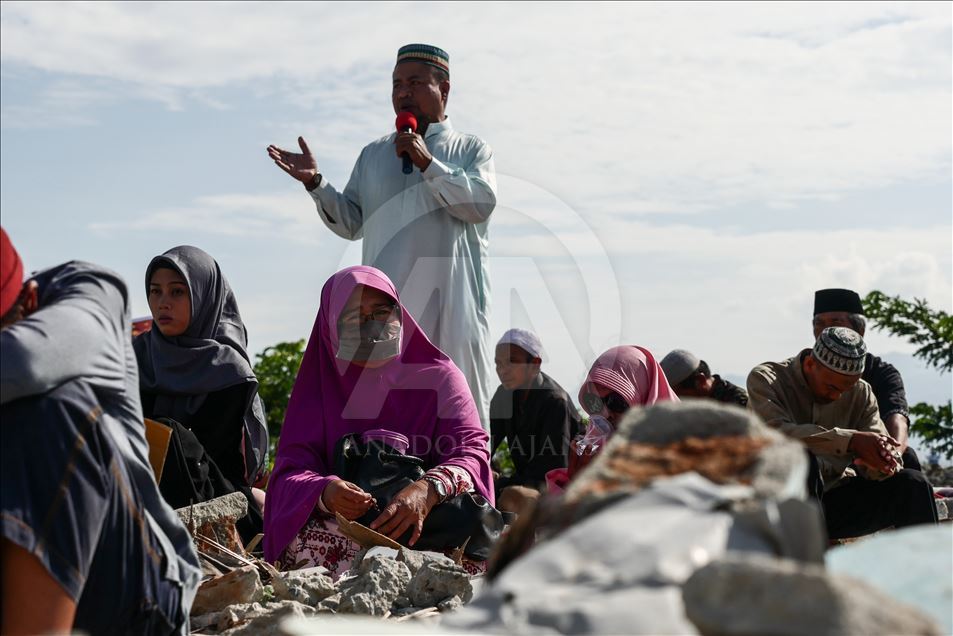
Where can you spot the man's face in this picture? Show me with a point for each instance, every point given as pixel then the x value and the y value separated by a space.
pixel 700 388
pixel 515 366
pixel 831 319
pixel 417 90
pixel 827 386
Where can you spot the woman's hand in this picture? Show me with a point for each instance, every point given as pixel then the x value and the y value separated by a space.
pixel 346 498
pixel 407 509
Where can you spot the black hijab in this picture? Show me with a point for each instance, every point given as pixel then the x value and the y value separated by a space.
pixel 210 356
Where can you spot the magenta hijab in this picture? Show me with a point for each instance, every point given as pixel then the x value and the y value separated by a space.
pixel 633 373
pixel 420 393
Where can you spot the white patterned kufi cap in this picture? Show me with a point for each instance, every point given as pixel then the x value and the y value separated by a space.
pixel 841 350
pixel 525 340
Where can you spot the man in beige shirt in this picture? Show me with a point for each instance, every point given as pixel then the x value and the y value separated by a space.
pixel 818 398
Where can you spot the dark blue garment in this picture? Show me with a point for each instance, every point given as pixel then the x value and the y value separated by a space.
pixel 68 498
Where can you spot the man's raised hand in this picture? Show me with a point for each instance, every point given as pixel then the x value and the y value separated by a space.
pixel 300 165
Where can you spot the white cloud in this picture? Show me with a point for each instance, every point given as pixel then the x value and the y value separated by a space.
pixel 625 108
pixel 284 216
pixel 614 111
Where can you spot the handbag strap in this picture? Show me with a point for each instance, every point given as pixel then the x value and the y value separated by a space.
pixel 404 459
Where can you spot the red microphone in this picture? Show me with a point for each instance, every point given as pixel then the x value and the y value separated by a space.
pixel 406 122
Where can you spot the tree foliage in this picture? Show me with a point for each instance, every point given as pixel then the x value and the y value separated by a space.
pixel 930 329
pixel 276 368
pixel 935 425
pixel 932 332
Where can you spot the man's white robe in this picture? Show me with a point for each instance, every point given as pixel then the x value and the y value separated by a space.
pixel 428 232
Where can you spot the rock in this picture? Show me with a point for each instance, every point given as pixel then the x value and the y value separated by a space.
pixel 198 623
pixel 723 443
pixel 911 565
pixel 416 559
pixel 304 586
pixel 266 621
pixel 378 582
pixel 241 585
pixel 755 594
pixel 216 519
pixel 238 614
pixel 435 582
pixel 330 604
pixel 450 604
pixel 939 475
pixel 943 508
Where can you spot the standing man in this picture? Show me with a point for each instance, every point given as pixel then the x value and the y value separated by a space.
pixel 426 230
pixel 842 308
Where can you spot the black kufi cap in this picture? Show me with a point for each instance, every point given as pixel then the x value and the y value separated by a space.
pixel 826 300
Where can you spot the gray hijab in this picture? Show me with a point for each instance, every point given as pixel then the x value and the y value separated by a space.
pixel 210 356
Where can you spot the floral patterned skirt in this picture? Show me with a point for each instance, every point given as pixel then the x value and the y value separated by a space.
pixel 321 543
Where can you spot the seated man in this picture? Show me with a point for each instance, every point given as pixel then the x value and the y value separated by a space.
pixel 88 544
pixel 691 377
pixel 531 412
pixel 818 397
pixel 842 308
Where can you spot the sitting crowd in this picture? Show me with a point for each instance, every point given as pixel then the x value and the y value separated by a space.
pixel 381 427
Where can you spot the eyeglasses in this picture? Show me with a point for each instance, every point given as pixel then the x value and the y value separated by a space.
pixel 380 314
pixel 593 404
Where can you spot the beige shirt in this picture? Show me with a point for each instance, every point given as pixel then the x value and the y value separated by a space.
pixel 780 395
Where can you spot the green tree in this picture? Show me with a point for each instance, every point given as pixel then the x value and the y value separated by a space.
pixel 931 330
pixel 276 368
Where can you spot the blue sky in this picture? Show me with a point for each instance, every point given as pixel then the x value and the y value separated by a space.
pixel 675 175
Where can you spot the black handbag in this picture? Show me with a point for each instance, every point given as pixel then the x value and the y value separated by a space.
pixel 383 471
pixel 191 476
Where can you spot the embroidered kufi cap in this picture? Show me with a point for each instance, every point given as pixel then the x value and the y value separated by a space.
pixel 426 54
pixel 841 350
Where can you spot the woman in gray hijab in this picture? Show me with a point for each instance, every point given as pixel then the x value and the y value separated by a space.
pixel 194 371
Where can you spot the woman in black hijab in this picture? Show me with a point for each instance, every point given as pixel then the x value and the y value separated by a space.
pixel 194 370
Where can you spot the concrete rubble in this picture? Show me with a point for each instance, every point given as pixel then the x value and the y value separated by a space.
pixel 242 585
pixel 911 565
pixel 215 519
pixel 679 487
pixel 384 583
pixel 693 520
pixel 752 594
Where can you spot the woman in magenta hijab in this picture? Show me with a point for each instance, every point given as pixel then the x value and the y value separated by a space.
pixel 368 366
pixel 621 378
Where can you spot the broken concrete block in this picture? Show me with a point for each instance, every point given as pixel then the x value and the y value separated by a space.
pixel 722 443
pixel 304 586
pixel 241 585
pixel 216 519
pixel 378 582
pixel 435 582
pixel 450 604
pixel 911 565
pixel 756 594
pixel 266 620
pixel 416 559
pixel 330 604
pixel 943 508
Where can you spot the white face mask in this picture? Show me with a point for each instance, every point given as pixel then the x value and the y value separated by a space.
pixel 373 341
